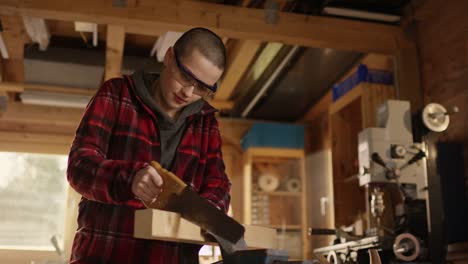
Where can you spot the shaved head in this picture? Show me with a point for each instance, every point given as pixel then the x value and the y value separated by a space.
pixel 206 42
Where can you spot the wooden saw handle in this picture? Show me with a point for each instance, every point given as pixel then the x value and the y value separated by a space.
pixel 172 185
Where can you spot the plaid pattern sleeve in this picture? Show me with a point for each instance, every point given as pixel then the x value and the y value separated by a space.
pixel 89 171
pixel 216 185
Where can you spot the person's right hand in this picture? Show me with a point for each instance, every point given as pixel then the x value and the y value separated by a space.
pixel 147 184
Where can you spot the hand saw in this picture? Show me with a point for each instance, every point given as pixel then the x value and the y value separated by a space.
pixel 177 197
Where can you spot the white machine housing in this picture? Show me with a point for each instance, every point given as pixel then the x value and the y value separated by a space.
pixel 394 128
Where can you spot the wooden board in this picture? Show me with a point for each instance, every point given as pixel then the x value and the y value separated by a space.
pixel 168 226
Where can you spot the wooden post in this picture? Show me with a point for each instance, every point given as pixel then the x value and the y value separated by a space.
pixel 408 77
pixel 114 51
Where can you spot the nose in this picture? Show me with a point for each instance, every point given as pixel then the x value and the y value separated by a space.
pixel 187 91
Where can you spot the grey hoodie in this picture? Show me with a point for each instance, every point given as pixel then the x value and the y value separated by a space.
pixel 171 131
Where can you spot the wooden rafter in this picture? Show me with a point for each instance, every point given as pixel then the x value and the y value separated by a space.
pixel 236 63
pixel 14 38
pixel 20 87
pixel 154 17
pixel 114 51
pixel 13 35
pixel 240 57
pixel 35 114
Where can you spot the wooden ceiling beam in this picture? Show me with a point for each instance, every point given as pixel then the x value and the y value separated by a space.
pixel 38 138
pixel 14 37
pixel 35 114
pixel 152 17
pixel 18 87
pixel 240 56
pixel 29 117
pixel 114 51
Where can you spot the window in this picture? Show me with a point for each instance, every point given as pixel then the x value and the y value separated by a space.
pixel 33 192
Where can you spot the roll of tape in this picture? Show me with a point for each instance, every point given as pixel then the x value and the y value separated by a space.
pixel 293 185
pixel 268 182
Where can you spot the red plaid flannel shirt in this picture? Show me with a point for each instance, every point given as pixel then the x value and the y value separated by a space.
pixel 118 136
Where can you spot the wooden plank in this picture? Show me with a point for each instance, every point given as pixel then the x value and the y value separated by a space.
pixel 114 51
pixel 42 114
pixel 36 138
pixel 154 16
pixel 20 87
pixel 35 142
pixel 15 256
pixel 11 87
pixel 21 117
pixel 14 37
pixel 240 56
pixel 306 250
pixel 169 226
pixel 247 184
pixel 40 148
pixel 26 127
pixel 221 104
pixel 276 152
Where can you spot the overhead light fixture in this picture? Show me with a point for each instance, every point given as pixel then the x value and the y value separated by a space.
pixel 270 80
pixel 354 13
pixel 88 27
pixel 55 99
pixel 163 43
pixel 37 31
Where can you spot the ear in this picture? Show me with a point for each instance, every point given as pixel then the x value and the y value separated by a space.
pixel 168 56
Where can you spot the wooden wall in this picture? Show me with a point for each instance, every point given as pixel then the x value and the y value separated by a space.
pixel 318 145
pixel 442 39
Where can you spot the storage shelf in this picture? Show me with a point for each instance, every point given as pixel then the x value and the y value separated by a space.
pixel 279 193
pixel 281 209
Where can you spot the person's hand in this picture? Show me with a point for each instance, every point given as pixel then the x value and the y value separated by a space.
pixel 147 184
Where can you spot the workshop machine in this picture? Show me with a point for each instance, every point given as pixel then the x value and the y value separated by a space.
pixel 401 204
